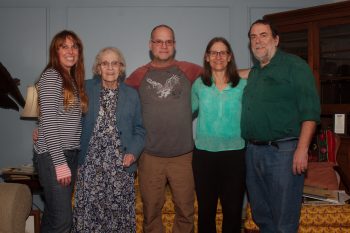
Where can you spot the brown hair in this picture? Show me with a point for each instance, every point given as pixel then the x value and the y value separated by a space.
pixel 77 72
pixel 231 70
pixel 264 22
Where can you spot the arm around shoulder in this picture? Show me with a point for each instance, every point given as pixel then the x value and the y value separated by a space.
pixel 243 73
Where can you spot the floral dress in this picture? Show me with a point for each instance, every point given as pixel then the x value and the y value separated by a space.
pixel 105 195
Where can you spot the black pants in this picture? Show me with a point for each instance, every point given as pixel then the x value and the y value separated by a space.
pixel 219 175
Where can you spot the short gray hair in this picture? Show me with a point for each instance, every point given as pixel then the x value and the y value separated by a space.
pixel 98 57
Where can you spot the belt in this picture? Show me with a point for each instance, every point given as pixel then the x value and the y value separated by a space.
pixel 271 143
pixel 264 143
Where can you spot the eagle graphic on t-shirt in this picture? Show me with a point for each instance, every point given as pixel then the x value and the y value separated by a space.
pixel 165 90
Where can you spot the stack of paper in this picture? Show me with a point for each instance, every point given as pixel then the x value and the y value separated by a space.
pixel 321 196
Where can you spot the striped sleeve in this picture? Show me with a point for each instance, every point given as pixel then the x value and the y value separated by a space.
pixel 62 171
pixel 50 99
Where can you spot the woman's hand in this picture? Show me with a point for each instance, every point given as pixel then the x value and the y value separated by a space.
pixel 35 134
pixel 64 181
pixel 64 175
pixel 128 160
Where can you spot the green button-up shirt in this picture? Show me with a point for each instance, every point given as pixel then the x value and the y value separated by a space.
pixel 278 98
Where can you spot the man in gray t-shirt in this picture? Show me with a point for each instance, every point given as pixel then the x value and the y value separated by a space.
pixel 164 86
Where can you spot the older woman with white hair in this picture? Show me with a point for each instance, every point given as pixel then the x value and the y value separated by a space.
pixel 111 142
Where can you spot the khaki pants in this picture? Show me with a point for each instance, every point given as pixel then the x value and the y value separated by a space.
pixel 154 173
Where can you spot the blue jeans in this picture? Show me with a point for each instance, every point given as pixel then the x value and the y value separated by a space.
pixel 274 193
pixel 57 216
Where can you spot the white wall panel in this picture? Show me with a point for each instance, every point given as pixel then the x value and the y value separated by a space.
pixel 128 28
pixel 23 40
pixel 23 46
pixel 257 12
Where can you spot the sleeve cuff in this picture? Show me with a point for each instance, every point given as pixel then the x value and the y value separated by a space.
pixel 63 171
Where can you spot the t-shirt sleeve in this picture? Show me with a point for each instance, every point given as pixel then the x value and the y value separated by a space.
pixel 191 70
pixel 134 80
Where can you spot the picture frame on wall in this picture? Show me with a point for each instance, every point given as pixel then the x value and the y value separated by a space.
pixel 33 222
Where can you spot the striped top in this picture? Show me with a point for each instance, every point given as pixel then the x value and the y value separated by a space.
pixel 59 129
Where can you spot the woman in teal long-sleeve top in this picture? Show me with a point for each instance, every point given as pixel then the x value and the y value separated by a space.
pixel 218 158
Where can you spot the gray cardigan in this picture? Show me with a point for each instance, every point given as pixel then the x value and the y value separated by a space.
pixel 129 120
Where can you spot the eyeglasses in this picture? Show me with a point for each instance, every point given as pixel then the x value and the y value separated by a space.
pixel 218 53
pixel 161 42
pixel 114 64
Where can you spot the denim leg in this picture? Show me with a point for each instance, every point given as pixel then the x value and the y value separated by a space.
pixel 57 216
pixel 72 161
pixel 275 194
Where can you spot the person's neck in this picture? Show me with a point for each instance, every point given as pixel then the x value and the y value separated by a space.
pixel 162 64
pixel 263 63
pixel 110 85
pixel 220 79
pixel 267 59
